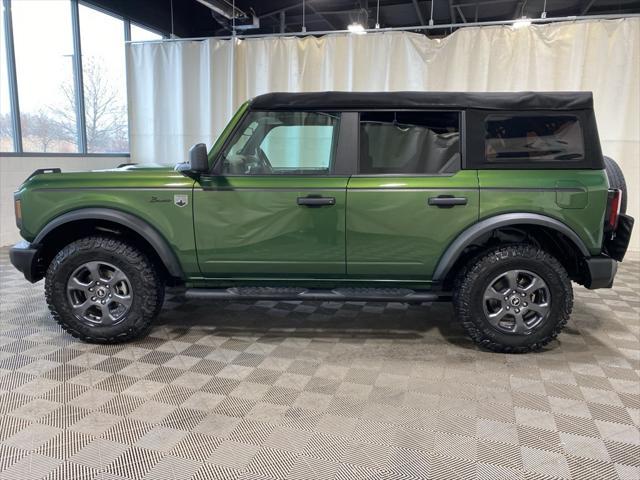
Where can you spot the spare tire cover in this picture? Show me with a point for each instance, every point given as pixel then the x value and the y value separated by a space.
pixel 616 180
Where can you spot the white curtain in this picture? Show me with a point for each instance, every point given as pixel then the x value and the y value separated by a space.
pixel 184 92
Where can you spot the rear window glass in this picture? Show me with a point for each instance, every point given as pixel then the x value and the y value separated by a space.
pixel 538 138
pixel 409 142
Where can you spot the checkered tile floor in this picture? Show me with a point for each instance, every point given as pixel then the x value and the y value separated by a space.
pixel 291 390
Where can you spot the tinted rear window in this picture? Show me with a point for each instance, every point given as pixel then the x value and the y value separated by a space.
pixel 537 138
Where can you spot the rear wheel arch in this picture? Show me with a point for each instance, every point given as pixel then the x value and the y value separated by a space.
pixel 78 223
pixel 544 231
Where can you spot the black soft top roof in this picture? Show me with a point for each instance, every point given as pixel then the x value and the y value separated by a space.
pixel 424 100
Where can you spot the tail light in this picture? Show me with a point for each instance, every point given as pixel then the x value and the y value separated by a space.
pixel 17 207
pixel 614 201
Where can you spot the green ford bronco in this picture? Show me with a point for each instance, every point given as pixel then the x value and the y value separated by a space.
pixel 496 201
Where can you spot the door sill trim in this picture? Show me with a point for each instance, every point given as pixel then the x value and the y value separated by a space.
pixel 337 294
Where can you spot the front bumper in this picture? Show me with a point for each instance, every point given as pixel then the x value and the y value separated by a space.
pixel 24 257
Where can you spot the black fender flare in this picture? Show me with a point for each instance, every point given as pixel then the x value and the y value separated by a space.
pixel 144 229
pixel 468 236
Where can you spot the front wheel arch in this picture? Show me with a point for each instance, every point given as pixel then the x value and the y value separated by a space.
pixel 72 225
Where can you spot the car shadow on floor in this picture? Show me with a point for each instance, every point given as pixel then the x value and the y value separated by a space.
pixel 352 321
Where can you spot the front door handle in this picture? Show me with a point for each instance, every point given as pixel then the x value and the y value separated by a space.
pixel 447 201
pixel 311 201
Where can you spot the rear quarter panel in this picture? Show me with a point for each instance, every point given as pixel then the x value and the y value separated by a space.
pixel 575 197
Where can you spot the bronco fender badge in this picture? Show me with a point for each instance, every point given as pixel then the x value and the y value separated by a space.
pixel 181 200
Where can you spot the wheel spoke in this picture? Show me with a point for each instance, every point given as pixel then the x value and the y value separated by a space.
pixel 75 284
pixel 107 316
pixel 493 294
pixel 540 308
pixel 124 300
pixel 532 287
pixel 117 277
pixel 81 308
pixel 512 279
pixel 519 326
pixel 94 270
pixel 496 318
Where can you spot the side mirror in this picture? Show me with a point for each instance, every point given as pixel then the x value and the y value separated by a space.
pixel 198 158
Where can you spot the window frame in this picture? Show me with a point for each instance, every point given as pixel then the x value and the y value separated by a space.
pixel 12 77
pixel 463 143
pixel 126 31
pixel 339 155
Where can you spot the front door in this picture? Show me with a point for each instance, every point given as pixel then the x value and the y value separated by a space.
pixel 410 198
pixel 277 207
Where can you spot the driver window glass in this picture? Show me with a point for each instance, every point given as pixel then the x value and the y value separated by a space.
pixel 283 143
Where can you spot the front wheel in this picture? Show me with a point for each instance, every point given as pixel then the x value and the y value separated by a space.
pixel 103 290
pixel 513 299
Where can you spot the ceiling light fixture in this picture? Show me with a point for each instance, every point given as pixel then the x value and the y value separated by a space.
pixel 544 10
pixel 356 28
pixel 378 15
pixel 522 22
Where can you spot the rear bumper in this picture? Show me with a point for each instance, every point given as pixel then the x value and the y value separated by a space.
pixel 600 272
pixel 616 245
pixel 24 257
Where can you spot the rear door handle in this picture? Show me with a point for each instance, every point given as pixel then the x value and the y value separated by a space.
pixel 447 201
pixel 316 201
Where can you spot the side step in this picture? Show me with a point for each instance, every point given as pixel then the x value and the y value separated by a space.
pixel 336 294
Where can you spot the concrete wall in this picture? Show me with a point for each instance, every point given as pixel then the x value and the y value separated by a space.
pixel 13 171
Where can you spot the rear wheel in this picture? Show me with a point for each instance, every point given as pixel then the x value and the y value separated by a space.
pixel 103 290
pixel 513 299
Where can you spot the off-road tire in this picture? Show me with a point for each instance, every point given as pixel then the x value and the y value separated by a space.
pixel 616 180
pixel 146 283
pixel 474 279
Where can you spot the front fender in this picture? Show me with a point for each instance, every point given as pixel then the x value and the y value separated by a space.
pixel 146 231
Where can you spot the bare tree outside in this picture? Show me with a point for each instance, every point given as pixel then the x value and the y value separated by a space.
pixel 43 132
pixel 6 133
pixel 105 115
pixel 53 128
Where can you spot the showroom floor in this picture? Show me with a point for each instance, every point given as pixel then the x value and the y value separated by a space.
pixel 260 390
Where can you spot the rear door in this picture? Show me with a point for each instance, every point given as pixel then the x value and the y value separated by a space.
pixel 410 197
pixel 277 206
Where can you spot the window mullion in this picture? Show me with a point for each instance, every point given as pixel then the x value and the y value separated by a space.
pixel 13 78
pixel 77 78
